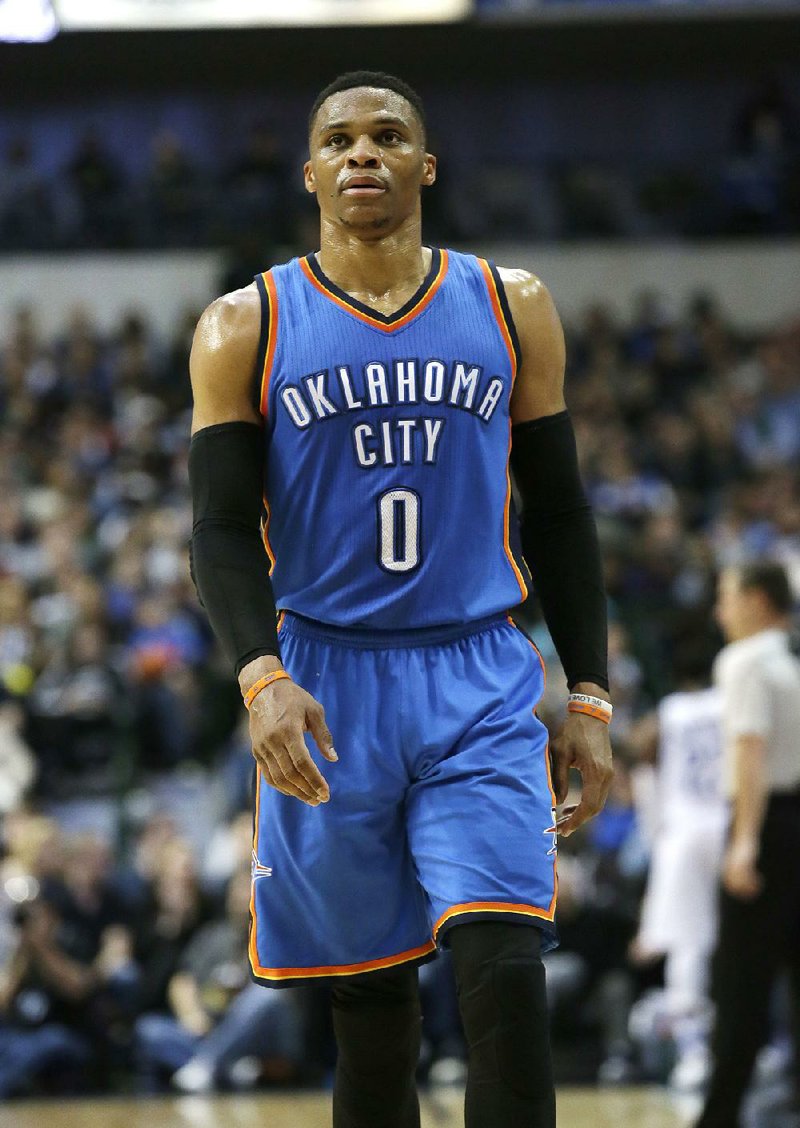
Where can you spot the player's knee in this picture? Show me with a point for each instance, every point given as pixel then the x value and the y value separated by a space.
pixel 377 1021
pixel 523 1049
pixel 503 1002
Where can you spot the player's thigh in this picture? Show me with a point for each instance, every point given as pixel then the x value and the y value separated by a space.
pixel 480 817
pixel 334 884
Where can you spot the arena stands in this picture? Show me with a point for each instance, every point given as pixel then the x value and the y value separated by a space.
pixel 126 831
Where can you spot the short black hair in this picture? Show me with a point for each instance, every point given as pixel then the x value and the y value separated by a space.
pixel 770 578
pixel 379 80
pixel 693 651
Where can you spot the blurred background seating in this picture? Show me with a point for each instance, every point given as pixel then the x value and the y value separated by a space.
pixel 125 767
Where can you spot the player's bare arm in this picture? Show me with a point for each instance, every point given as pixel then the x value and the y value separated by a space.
pixel 583 743
pixel 222 361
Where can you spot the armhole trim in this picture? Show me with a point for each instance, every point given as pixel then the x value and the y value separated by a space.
pixel 502 311
pixel 267 340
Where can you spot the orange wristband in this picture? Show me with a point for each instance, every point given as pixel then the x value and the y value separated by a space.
pixel 592 706
pixel 262 683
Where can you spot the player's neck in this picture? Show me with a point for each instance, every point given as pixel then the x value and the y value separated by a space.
pixel 378 270
pixel 759 625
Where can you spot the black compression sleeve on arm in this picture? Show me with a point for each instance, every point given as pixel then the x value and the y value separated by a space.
pixel 229 565
pixel 559 540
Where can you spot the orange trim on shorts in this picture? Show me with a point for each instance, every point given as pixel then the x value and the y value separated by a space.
pixel 424 301
pixel 534 648
pixel 272 338
pixel 336 969
pixel 553 802
pixel 252 949
pixel 265 534
pixel 495 907
pixel 278 973
pixel 547 765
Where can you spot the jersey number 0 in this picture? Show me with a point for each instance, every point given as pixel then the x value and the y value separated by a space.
pixel 399 530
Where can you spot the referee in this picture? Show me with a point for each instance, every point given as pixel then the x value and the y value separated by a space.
pixel 759 930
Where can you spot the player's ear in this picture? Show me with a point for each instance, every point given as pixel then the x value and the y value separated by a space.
pixel 428 170
pixel 308 177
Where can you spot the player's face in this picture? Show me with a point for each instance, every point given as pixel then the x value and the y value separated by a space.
pixel 367 160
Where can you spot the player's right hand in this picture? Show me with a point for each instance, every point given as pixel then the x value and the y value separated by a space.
pixel 279 716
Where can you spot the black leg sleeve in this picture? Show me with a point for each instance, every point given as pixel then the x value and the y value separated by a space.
pixel 377 1022
pixel 501 993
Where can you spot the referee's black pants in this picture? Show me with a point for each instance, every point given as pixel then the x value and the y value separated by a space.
pixel 757 939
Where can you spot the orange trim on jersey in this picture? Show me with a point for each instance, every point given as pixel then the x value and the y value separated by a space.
pixel 265 534
pixel 272 337
pixel 505 333
pixel 495 907
pixel 424 301
pixel 281 617
pixel 337 969
pixel 507 517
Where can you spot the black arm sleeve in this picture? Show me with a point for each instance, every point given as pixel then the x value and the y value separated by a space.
pixel 229 565
pixel 559 540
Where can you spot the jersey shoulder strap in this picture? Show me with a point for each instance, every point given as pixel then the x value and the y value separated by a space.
pixel 502 310
pixel 268 293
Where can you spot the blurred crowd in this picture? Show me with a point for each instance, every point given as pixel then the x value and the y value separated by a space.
pixel 125 770
pixel 96 201
pixel 185 187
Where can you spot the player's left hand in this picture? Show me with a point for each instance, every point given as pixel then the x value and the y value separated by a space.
pixel 583 743
pixel 740 877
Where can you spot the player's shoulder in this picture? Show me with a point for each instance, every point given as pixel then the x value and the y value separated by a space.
pixel 689 702
pixel 522 282
pixel 516 275
pixel 229 328
pixel 532 309
pixel 226 342
pixel 732 663
pixel 230 318
pixel 528 297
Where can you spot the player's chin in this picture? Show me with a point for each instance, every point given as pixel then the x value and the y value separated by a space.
pixel 366 206
pixel 367 220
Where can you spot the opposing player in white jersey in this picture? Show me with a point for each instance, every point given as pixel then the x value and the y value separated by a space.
pixel 679 913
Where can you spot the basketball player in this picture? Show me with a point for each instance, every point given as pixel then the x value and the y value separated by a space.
pixel 759 926
pixel 679 907
pixel 376 434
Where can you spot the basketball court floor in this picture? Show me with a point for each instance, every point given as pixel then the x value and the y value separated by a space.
pixel 577 1108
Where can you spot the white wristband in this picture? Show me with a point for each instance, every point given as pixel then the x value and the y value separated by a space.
pixel 592 706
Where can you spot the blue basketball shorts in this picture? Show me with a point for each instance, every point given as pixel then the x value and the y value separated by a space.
pixel 441 806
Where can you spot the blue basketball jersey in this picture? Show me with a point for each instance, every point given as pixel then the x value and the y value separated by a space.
pixel 387 492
